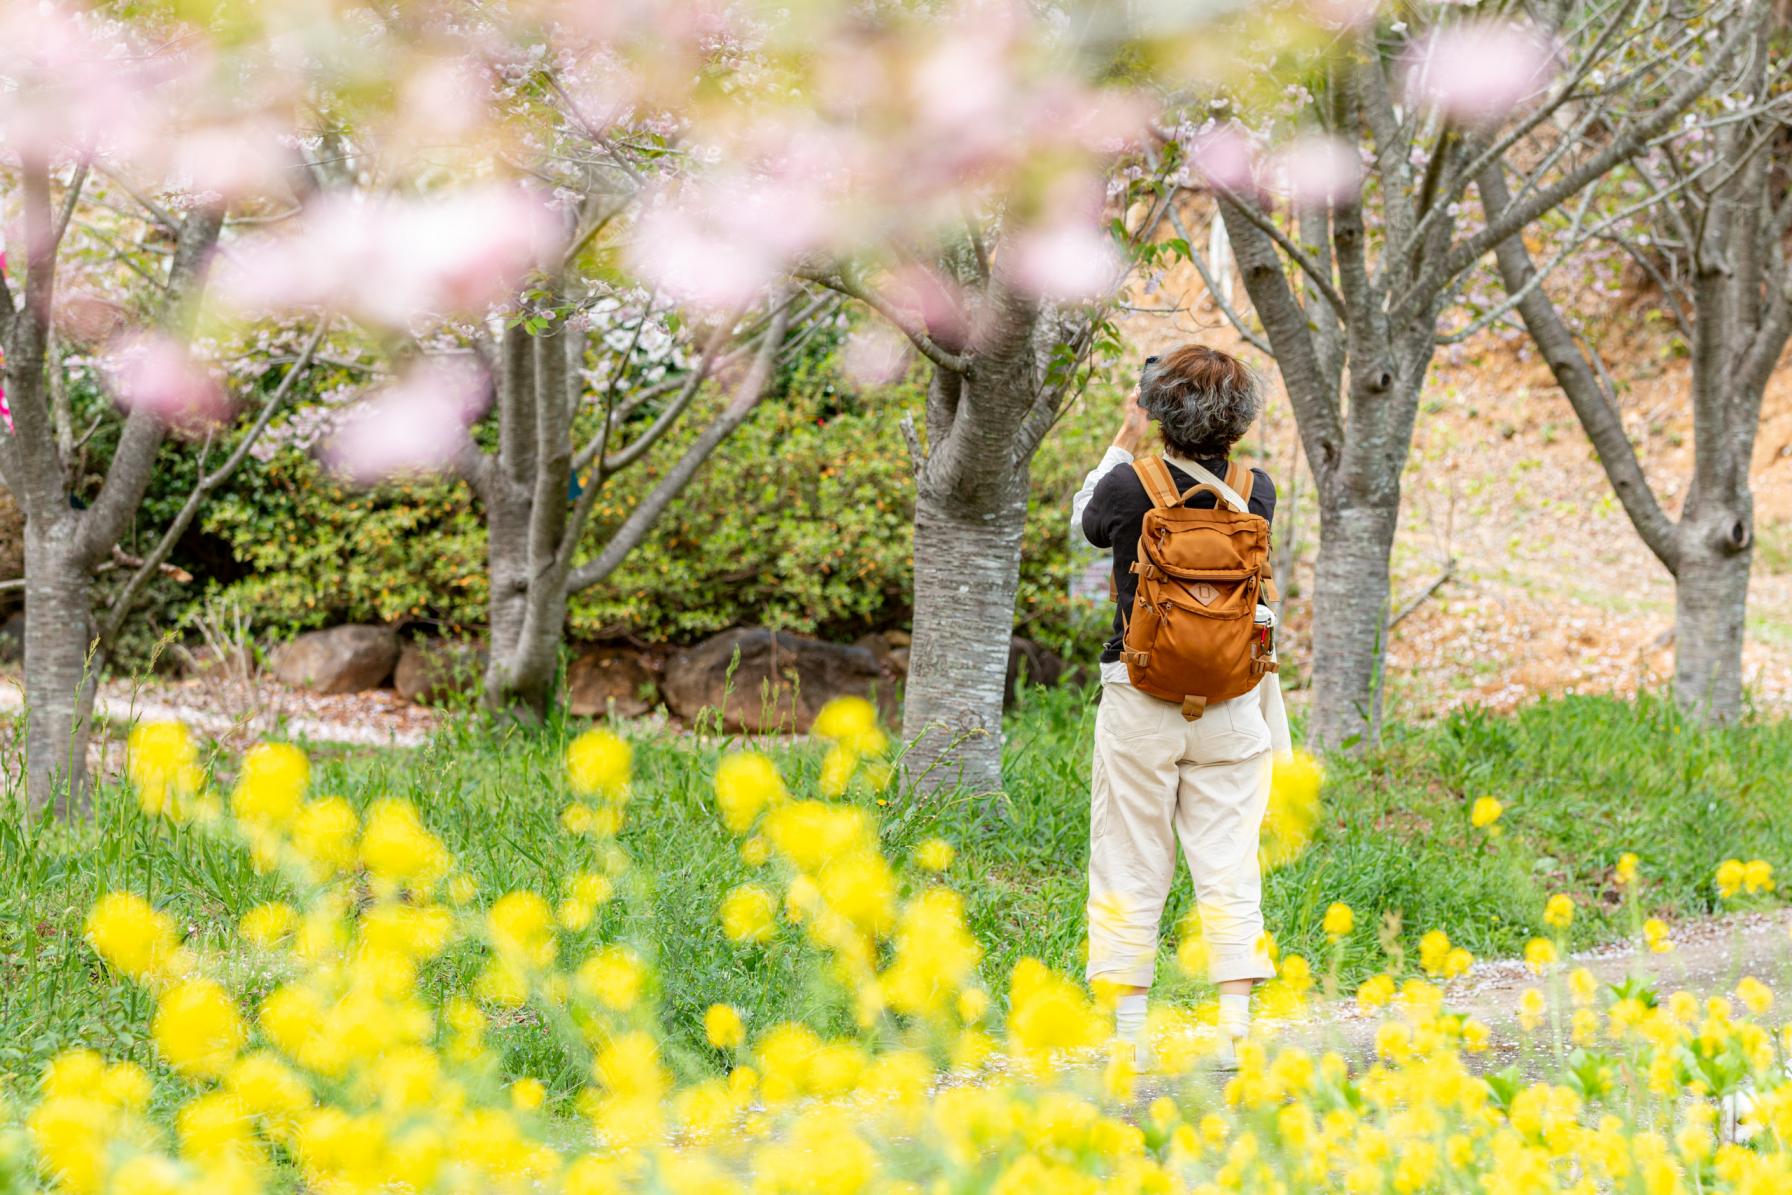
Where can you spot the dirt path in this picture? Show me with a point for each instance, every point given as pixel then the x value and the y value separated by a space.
pixel 1709 957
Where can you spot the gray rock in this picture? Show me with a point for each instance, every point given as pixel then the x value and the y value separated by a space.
pixel 430 671
pixel 782 681
pixel 345 659
pixel 609 680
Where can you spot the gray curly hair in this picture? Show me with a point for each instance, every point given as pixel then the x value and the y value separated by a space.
pixel 1203 399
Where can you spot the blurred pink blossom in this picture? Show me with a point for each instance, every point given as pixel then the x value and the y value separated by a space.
pixel 720 241
pixel 234 160
pixel 393 261
pixel 1069 260
pixel 1479 71
pixel 938 304
pixel 155 373
pixel 1343 14
pixel 69 86
pixel 1224 154
pixel 875 355
pixel 1316 170
pixel 416 426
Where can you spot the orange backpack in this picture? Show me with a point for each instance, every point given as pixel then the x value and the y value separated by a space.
pixel 1193 635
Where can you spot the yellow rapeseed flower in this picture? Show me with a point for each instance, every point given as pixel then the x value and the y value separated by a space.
pixel 1655 934
pixel 521 927
pixel 935 854
pixel 267 924
pixel 1558 911
pixel 1756 996
pixel 197 1029
pixel 1339 921
pixel 1729 878
pixel 398 850
pixel 598 764
pixel 747 914
pixel 852 723
pixel 1293 811
pixel 613 976
pixel 272 784
pixel 1757 876
pixel 1485 812
pixel 164 767
pixel 1539 953
pixel 527 1095
pixel 746 782
pixel 1626 870
pixel 723 1027
pixel 134 938
pixel 1531 1007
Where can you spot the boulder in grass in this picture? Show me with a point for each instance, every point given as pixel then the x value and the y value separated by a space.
pixel 781 683
pixel 608 680
pixel 430 671
pixel 345 659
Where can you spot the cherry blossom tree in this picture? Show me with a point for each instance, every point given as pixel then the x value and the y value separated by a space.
pixel 1356 232
pixel 1705 218
pixel 87 115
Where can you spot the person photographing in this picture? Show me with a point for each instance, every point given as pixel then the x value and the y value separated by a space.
pixel 1187 730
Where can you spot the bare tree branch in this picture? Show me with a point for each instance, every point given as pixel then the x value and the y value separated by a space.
pixel 1623 144
pixel 641 520
pixel 1320 278
pixel 1591 401
pixel 126 597
pixel 1251 335
pixel 855 288
pixel 129 474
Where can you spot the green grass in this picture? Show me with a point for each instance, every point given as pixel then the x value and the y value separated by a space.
pixel 1582 779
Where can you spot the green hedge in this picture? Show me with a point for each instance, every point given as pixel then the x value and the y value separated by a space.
pixel 800 521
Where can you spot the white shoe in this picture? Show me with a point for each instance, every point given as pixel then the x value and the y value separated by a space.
pixel 1225 1056
pixel 1141 1053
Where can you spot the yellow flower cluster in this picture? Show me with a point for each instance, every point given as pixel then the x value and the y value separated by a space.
pixel 367 1068
pixel 1733 876
pixel 1293 812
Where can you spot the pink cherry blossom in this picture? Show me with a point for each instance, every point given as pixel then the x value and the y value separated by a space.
pixel 71 86
pixel 394 261
pixel 157 374
pixel 1224 154
pixel 1316 170
pixel 1343 14
pixel 1070 260
pixel 722 239
pixel 1479 71
pixel 875 355
pixel 416 426
pixel 937 304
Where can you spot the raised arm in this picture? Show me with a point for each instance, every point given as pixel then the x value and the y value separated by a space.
pixel 1133 423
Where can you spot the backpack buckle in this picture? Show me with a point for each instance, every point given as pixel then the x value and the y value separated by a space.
pixel 1193 707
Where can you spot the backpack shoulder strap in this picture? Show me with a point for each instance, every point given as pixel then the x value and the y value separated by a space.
pixel 1238 476
pixel 1223 490
pixel 1160 487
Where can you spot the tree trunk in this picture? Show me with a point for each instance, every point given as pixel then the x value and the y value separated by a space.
pixel 59 672
pixel 1350 610
pixel 519 674
pixel 967 568
pixel 1710 602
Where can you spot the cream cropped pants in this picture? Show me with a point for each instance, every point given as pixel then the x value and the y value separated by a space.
pixel 1157 779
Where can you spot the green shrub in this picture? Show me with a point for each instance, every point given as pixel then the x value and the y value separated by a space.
pixel 801 521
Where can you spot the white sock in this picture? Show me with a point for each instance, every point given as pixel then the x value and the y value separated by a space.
pixel 1235 1014
pixel 1129 1018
